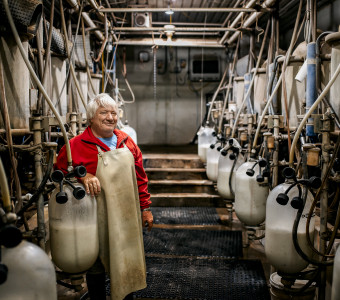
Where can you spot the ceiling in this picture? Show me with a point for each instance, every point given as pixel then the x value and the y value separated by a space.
pixel 203 23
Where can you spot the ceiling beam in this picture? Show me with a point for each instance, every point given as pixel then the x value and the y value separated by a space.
pixel 186 9
pixel 205 43
pixel 188 24
pixel 192 29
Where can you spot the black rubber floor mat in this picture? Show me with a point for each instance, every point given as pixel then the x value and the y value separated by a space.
pixel 193 242
pixel 208 279
pixel 186 215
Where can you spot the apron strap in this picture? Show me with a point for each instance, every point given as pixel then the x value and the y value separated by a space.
pixel 99 149
pixel 100 153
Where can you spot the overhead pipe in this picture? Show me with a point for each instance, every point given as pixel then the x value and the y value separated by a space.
pixel 236 21
pixel 90 24
pixel 182 9
pixel 178 42
pixel 159 33
pixel 112 14
pixel 252 19
pixel 38 83
pixel 230 14
pixel 103 17
pixel 73 4
pixel 185 24
pixel 185 29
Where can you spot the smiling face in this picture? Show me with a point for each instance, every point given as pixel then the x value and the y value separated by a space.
pixel 104 121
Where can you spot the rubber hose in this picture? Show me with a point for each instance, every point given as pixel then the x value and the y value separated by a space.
pixel 231 175
pixel 41 187
pixel 295 238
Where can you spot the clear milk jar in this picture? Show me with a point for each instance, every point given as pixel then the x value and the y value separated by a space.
pixel 205 139
pixel 279 246
pixel 73 232
pixel 250 196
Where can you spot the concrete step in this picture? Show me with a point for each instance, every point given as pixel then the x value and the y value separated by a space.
pixel 176 173
pixel 187 161
pixel 181 186
pixel 186 199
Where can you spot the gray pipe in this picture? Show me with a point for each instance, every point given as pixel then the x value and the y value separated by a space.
pixel 251 20
pixel 90 24
pixel 73 4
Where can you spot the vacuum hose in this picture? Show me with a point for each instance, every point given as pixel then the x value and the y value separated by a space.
pixel 41 187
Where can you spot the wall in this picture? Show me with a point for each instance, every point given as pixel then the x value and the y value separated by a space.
pixel 17 83
pixel 328 19
pixel 174 115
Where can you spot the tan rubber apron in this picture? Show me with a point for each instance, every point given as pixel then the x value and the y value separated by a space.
pixel 121 247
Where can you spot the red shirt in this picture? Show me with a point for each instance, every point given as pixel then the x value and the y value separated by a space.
pixel 84 152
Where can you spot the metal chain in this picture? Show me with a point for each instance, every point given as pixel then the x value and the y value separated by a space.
pixel 154 73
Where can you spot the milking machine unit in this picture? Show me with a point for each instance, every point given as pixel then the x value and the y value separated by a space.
pixel 278 167
pixel 26 272
pixel 38 117
pixel 73 226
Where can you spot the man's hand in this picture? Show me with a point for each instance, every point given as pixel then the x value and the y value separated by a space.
pixel 91 183
pixel 147 219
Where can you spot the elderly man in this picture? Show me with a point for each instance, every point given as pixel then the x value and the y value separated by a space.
pixel 115 175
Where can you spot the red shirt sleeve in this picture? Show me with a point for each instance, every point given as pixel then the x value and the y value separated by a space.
pixel 142 181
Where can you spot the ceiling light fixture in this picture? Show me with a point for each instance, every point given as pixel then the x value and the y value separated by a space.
pixel 169 11
pixel 169 30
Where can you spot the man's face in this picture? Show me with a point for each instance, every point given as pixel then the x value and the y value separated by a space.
pixel 104 121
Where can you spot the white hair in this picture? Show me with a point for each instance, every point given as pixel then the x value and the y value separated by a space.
pixel 101 100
